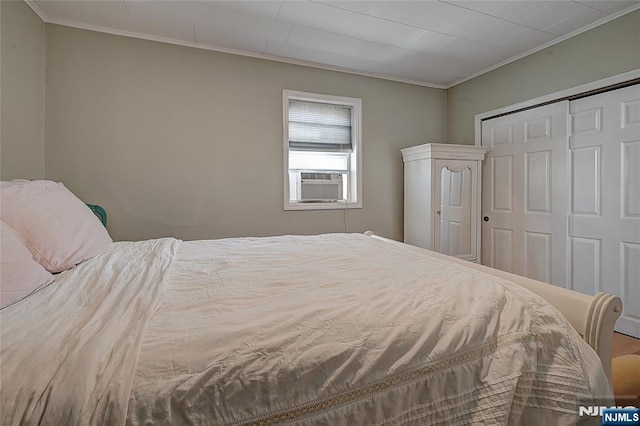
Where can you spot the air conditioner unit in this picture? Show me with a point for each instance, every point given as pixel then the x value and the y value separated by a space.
pixel 319 187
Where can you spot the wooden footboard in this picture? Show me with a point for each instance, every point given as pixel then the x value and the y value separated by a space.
pixel 592 316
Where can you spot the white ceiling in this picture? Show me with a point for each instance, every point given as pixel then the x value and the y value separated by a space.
pixel 428 42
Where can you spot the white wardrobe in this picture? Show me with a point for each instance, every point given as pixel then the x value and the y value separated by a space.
pixel 561 196
pixel 442 198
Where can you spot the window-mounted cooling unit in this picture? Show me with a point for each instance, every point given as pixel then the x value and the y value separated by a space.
pixel 319 187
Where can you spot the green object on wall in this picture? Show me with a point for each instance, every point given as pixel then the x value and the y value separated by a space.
pixel 100 212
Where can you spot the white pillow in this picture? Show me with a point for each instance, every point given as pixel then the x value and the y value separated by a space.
pixel 59 230
pixel 20 275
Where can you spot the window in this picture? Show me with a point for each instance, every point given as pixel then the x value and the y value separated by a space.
pixel 322 151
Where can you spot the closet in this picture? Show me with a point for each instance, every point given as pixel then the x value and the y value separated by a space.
pixel 561 196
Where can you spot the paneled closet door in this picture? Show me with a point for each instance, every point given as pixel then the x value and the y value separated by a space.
pixel 524 193
pixel 604 224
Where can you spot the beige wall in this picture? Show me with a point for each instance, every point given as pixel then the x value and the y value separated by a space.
pixel 22 86
pixel 186 142
pixel 607 50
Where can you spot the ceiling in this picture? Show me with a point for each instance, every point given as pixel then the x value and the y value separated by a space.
pixel 428 42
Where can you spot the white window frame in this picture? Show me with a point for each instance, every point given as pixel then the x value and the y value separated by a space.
pixel 354 198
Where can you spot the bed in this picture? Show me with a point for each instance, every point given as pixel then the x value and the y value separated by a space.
pixel 325 329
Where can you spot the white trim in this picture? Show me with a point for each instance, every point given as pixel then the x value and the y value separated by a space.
pixel 568 200
pixel 443 151
pixel 356 157
pixel 37 10
pixel 124 33
pixel 549 43
pixel 599 84
pixel 336 205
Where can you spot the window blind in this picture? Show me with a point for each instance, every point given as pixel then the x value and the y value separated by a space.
pixel 315 126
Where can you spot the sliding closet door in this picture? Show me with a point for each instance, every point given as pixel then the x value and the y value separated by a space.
pixel 604 225
pixel 524 194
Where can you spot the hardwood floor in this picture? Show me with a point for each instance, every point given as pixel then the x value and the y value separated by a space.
pixel 624 345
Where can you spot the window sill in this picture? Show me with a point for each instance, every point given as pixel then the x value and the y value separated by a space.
pixel 331 205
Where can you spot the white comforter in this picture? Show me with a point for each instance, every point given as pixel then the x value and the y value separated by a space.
pixel 332 329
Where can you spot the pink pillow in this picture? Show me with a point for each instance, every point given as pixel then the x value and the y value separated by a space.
pixel 20 275
pixel 59 230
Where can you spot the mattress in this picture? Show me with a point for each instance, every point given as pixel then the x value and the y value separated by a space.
pixel 328 330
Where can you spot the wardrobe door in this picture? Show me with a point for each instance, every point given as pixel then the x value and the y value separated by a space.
pixel 604 224
pixel 525 193
pixel 456 198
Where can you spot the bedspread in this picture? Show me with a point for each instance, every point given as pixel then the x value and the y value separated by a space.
pixel 69 351
pixel 329 330
pixel 345 329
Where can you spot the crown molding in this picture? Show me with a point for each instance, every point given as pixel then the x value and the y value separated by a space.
pixel 548 44
pixel 310 64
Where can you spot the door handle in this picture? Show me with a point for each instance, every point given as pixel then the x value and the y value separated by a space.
pixel 486 218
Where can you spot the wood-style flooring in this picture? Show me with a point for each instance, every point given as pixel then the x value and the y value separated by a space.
pixel 624 345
